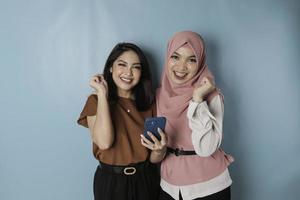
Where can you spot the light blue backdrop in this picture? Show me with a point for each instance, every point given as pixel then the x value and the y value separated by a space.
pixel 50 48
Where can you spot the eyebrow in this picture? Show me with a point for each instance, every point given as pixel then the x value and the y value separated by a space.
pixel 193 56
pixel 120 60
pixel 136 64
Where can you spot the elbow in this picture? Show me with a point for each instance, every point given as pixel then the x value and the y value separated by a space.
pixel 206 146
pixel 206 151
pixel 102 144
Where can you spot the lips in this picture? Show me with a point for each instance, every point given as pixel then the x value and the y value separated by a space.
pixel 179 75
pixel 126 79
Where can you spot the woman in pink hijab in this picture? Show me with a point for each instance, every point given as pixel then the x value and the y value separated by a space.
pixel 194 167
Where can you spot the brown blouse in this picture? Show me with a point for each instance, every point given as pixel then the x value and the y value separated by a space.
pixel 128 123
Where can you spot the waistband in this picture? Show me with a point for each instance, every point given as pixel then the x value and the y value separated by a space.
pixel 124 170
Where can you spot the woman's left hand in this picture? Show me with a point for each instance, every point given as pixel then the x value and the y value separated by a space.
pixel 206 87
pixel 156 146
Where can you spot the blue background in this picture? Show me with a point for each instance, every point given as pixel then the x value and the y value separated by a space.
pixel 50 48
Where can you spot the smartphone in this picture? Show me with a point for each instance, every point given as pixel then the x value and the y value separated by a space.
pixel 152 124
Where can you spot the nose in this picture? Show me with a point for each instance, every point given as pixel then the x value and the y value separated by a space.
pixel 182 65
pixel 128 71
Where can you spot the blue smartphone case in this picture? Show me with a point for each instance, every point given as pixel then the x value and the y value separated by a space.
pixel 152 124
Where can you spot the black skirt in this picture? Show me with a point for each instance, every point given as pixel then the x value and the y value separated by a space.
pixel 136 182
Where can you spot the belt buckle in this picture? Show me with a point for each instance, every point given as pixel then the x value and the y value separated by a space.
pixel 129 170
pixel 177 152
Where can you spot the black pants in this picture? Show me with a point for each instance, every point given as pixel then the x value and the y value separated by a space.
pixel 143 185
pixel 222 195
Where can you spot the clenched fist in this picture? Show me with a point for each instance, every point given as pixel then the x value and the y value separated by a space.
pixel 99 84
pixel 206 87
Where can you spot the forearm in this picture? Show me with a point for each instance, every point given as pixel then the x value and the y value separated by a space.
pixel 103 130
pixel 206 124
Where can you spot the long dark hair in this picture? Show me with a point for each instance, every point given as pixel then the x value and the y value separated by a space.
pixel 143 92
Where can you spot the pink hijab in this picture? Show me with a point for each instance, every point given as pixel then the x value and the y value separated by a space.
pixel 173 99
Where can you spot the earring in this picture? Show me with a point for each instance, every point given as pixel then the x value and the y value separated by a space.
pixel 110 70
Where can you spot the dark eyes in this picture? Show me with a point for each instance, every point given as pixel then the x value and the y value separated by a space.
pixel 134 67
pixel 137 67
pixel 121 64
pixel 174 57
pixel 193 60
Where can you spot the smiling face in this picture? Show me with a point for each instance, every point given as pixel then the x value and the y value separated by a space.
pixel 126 73
pixel 182 65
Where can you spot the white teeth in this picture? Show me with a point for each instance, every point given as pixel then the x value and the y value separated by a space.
pixel 180 74
pixel 127 80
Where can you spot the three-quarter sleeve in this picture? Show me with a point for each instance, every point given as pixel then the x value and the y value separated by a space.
pixel 89 109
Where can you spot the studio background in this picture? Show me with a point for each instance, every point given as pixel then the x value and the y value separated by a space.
pixel 49 49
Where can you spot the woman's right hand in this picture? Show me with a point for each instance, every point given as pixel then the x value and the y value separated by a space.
pixel 99 84
pixel 157 146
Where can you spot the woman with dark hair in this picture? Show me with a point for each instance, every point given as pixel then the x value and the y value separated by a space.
pixel 115 116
